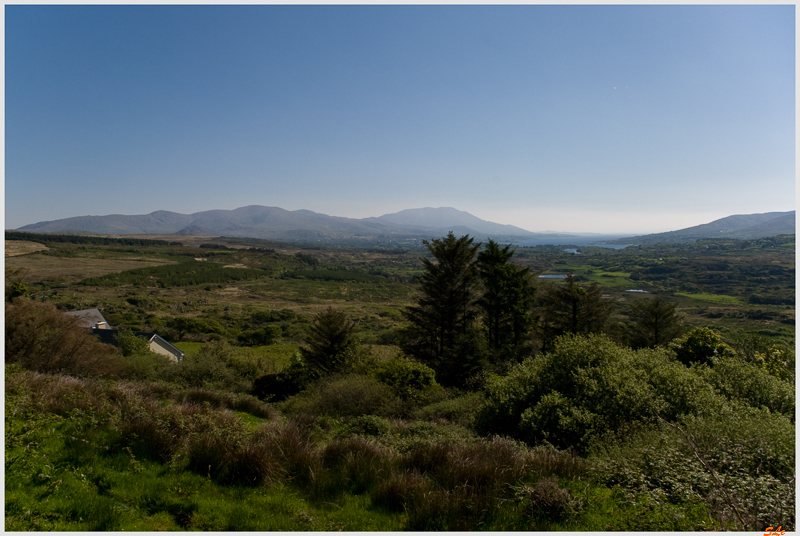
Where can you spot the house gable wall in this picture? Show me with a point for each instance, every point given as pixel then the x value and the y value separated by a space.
pixel 157 345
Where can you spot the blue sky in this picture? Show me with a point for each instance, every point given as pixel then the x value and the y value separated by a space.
pixel 568 118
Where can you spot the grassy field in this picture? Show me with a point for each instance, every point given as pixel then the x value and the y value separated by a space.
pixel 167 446
pixel 64 271
pixel 712 298
pixel 22 247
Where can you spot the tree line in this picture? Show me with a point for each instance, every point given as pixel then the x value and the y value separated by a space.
pixel 478 311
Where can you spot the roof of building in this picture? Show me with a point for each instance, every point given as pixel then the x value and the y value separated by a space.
pixel 88 318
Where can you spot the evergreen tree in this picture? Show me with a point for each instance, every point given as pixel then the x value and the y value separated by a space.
pixel 442 324
pixel 655 322
pixel 570 308
pixel 331 344
pixel 506 300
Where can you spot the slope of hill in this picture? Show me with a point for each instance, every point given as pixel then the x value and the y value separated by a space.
pixel 447 219
pixel 278 224
pixel 741 226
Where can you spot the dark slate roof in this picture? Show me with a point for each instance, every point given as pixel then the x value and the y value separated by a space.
pixel 88 318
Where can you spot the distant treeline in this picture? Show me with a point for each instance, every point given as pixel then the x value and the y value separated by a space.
pixel 93 240
pixel 177 275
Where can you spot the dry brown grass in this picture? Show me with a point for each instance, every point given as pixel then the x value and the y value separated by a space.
pixel 22 247
pixel 72 269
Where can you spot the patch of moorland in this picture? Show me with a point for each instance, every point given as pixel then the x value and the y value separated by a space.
pixel 592 435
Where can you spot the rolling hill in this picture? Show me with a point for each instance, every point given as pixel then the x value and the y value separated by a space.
pixel 275 223
pixel 742 226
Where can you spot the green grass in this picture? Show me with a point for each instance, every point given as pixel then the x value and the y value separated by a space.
pixel 713 298
pixel 188 348
pixel 279 353
pixel 612 279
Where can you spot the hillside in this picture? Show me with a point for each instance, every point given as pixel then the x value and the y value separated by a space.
pixel 275 223
pixel 743 227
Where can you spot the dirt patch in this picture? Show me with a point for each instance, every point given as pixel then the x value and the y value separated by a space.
pixel 239 265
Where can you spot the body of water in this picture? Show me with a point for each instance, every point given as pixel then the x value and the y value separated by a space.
pixel 573 240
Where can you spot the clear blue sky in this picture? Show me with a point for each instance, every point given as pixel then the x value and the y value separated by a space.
pixel 568 118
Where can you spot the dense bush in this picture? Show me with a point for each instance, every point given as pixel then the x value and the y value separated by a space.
pixel 588 386
pixel 461 410
pixel 40 338
pixel 208 369
pixel 261 336
pixel 407 378
pixel 341 396
pixel 752 385
pixel 738 464
pixel 701 345
pixel 130 344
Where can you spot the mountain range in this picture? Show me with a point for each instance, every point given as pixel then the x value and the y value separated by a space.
pixel 741 226
pixel 273 223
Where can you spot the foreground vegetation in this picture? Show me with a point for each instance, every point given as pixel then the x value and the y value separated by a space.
pixel 309 400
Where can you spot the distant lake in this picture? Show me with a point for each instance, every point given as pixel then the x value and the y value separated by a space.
pixel 559 276
pixel 573 240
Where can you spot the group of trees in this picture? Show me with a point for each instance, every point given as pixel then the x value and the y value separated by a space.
pixel 479 311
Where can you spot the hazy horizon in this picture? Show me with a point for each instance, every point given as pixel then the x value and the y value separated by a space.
pixel 609 119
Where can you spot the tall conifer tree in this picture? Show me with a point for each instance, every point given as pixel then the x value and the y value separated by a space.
pixel 506 300
pixel 441 331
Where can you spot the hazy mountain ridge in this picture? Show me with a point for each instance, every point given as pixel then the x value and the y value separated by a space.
pixel 273 223
pixel 279 224
pixel 446 219
pixel 740 226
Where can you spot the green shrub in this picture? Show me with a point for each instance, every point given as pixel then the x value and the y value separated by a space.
pixel 461 410
pixel 225 400
pixel 407 378
pixel 588 386
pixel 346 396
pixel 701 345
pixel 148 367
pixel 276 387
pixel 355 464
pixel 260 337
pixel 739 464
pixel 130 344
pixel 330 344
pixel 753 385
pixel 369 425
pixel 547 501
pixel 222 450
pixel 209 369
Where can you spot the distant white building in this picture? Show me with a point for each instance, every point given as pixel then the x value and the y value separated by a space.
pixel 92 319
